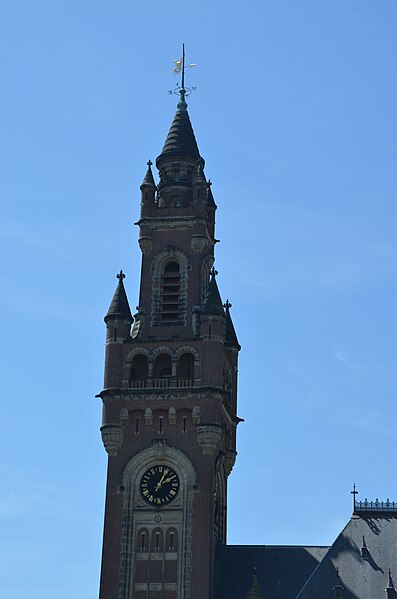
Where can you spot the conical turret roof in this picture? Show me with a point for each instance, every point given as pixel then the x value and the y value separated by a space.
pixel 230 336
pixel 213 303
pixel 119 306
pixel 148 179
pixel 180 139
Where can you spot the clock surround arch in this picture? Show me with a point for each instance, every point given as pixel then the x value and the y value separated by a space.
pixel 137 513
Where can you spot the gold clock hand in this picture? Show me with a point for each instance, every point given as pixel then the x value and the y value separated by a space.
pixel 168 480
pixel 159 484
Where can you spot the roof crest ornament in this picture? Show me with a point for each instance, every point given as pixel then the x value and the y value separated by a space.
pixel 120 276
pixel 179 68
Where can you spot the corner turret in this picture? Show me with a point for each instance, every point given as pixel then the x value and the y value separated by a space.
pixel 148 186
pixel 118 325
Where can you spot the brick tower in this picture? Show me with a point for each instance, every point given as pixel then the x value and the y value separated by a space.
pixel 170 392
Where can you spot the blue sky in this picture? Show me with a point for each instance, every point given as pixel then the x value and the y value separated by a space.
pixel 295 117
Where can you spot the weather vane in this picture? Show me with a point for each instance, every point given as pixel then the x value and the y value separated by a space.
pixel 179 68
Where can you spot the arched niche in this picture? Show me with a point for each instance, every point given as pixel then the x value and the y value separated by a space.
pixel 169 286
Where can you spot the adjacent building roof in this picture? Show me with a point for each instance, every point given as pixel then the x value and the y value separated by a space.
pixel 281 571
pixel 119 306
pixel 362 577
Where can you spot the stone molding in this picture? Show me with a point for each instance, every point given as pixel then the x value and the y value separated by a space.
pixel 145 244
pixel 112 437
pixel 209 435
pixel 229 460
pixel 198 243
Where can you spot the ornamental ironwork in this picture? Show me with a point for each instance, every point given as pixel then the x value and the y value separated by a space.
pixel 375 506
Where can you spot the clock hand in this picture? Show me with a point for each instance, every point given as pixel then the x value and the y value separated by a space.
pixel 159 484
pixel 168 480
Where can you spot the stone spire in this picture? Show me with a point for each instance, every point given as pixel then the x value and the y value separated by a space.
pixel 213 303
pixel 119 306
pixel 180 141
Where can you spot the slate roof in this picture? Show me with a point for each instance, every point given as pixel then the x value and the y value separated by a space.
pixel 361 578
pixel 230 336
pixel 281 571
pixel 213 303
pixel 119 306
pixel 180 140
pixel 148 178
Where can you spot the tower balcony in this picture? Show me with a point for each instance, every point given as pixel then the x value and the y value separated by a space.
pixel 165 383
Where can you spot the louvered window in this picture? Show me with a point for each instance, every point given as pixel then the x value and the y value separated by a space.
pixel 170 288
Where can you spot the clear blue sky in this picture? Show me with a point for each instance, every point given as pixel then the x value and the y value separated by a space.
pixel 295 115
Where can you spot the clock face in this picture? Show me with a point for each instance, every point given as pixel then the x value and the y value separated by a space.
pixel 159 485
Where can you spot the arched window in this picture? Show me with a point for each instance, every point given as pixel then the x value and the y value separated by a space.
pixel 171 543
pixel 139 368
pixel 157 540
pixel 142 540
pixel 170 289
pixel 162 367
pixel 185 367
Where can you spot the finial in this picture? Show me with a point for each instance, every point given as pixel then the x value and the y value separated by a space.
pixel 354 493
pixel 213 271
pixel 390 583
pixel 179 67
pixel 120 276
pixel 149 163
pixel 227 305
pixel 390 589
